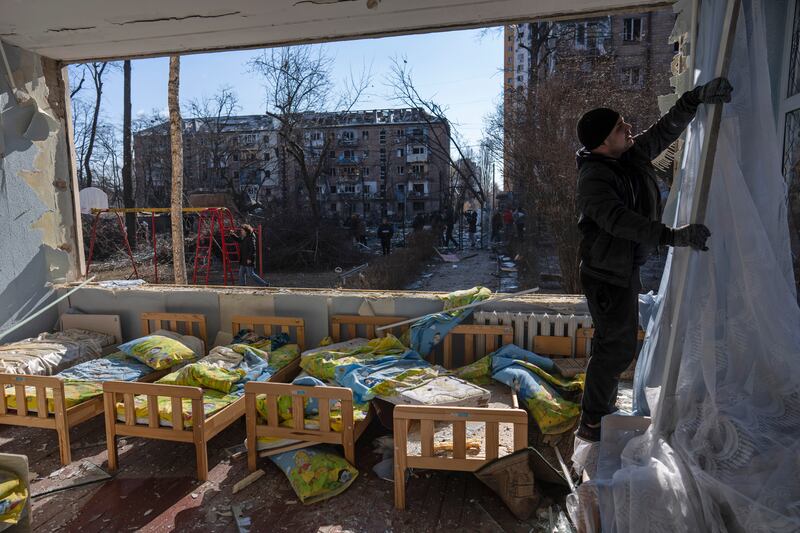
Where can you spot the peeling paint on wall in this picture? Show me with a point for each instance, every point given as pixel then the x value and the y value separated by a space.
pixel 37 214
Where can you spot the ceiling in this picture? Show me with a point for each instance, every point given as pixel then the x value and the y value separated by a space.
pixel 80 30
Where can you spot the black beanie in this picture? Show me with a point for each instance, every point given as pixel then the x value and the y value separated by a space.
pixel 595 125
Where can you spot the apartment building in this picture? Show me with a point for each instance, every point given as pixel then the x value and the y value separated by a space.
pixel 381 162
pixel 236 152
pixel 375 162
pixel 639 44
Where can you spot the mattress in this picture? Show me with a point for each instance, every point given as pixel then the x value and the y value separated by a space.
pixel 114 367
pixel 213 401
pixel 443 391
pixel 75 393
pixel 501 397
pixel 49 353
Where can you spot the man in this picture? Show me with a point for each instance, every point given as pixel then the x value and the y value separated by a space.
pixel 247 254
pixel 472 226
pixel 620 208
pixel 418 224
pixel 449 222
pixel 508 222
pixel 497 224
pixel 519 222
pixel 385 233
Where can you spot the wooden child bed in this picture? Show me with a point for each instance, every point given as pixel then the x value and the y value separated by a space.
pixel 490 336
pixel 63 418
pixel 202 428
pixel 343 327
pixel 471 342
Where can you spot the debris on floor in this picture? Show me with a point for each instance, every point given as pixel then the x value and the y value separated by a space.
pixel 249 480
pixel 74 475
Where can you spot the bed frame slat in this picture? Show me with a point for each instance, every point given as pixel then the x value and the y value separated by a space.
pixel 298 412
pixel 324 414
pixel 426 437
pixel 152 411
pixel 22 405
pixel 177 413
pixel 41 401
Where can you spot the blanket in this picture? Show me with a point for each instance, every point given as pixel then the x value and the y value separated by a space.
pixel 538 387
pixel 429 331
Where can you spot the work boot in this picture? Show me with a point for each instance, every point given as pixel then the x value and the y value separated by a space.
pixel 511 478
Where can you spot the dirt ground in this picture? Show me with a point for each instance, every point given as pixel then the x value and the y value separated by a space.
pixel 476 267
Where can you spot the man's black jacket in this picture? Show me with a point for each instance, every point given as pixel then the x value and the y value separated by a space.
pixel 385 232
pixel 619 201
pixel 247 248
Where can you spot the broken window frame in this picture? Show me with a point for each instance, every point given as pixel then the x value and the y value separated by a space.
pixel 789 111
pixel 630 32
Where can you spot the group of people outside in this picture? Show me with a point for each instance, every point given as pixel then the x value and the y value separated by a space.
pixel 509 223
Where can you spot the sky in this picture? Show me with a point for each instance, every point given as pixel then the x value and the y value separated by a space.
pixel 461 70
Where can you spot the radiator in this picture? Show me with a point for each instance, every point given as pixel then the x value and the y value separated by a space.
pixel 529 325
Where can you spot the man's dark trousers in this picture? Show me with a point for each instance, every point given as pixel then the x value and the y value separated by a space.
pixel 615 313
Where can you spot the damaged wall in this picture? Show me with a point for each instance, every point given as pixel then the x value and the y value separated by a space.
pixel 38 240
pixel 314 306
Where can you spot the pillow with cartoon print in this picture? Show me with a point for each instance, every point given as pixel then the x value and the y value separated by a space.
pixel 157 352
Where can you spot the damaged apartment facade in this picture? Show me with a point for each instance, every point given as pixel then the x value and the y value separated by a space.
pixel 380 162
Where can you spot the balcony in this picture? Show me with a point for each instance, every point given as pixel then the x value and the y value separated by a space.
pixel 348 142
pixel 421 138
pixel 352 160
pixel 416 158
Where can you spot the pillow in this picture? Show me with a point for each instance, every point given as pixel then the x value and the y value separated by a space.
pixel 13 496
pixel 315 473
pixel 205 376
pixel 190 341
pixel 157 352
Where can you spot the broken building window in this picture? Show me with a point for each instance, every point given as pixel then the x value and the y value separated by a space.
pixel 631 76
pixel 632 29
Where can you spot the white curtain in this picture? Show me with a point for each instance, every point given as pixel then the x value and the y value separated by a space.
pixel 733 461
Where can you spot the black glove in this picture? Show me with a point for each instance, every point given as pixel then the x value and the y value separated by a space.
pixel 693 235
pixel 717 91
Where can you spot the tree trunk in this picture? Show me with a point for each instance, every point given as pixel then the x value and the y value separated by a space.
pixel 127 181
pixel 98 89
pixel 176 141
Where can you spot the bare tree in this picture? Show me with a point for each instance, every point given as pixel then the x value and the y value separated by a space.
pixel 96 70
pixel 127 175
pixel 214 139
pixel 299 89
pixel 445 143
pixel 176 143
pixel 152 159
pixel 540 145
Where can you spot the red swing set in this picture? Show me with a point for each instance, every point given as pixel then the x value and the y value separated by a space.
pixel 213 226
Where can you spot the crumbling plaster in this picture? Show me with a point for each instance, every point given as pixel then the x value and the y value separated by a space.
pixel 38 240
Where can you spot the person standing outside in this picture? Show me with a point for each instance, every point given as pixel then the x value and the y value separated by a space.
pixel 472 226
pixel 385 233
pixel 508 222
pixel 497 225
pixel 620 211
pixel 519 222
pixel 449 222
pixel 246 238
